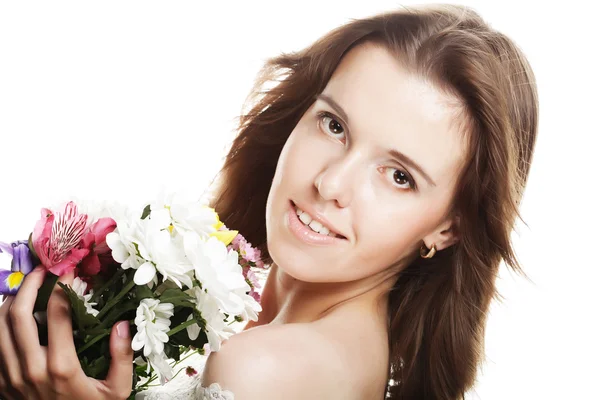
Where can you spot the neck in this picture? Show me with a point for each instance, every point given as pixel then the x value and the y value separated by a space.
pixel 288 300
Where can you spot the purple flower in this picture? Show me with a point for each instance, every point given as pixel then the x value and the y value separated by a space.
pixel 10 281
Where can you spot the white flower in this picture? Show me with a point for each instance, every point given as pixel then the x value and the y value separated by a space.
pixel 216 328
pixel 251 308
pixel 153 322
pixel 161 366
pixel 79 287
pixel 123 241
pixel 139 361
pixel 218 271
pixel 161 252
pixel 96 209
pixel 147 246
pixel 187 215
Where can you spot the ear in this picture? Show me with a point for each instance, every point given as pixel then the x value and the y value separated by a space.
pixel 445 235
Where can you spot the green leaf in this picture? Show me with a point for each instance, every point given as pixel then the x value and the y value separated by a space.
pixel 120 313
pixel 177 298
pixel 44 292
pixel 181 338
pixel 35 259
pixel 143 292
pixel 97 368
pixel 140 370
pixel 146 212
pixel 110 283
pixel 80 315
pixel 173 351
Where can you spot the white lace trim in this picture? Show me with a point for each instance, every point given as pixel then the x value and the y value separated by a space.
pixel 183 387
pixel 213 392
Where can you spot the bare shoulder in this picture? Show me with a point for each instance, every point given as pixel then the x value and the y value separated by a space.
pixel 292 361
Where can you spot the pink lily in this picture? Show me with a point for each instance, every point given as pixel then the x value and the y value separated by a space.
pixel 95 241
pixel 56 238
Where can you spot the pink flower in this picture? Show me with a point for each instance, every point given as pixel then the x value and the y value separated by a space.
pixel 56 237
pixel 255 295
pixel 190 371
pixel 237 242
pixel 249 253
pixel 95 241
pixel 253 279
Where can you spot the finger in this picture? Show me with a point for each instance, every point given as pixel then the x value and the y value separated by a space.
pixel 120 374
pixel 62 356
pixel 9 360
pixel 3 377
pixel 23 324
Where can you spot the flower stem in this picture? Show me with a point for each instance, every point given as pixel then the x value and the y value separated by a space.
pixel 153 377
pixel 115 300
pixel 181 327
pixel 106 285
pixel 93 341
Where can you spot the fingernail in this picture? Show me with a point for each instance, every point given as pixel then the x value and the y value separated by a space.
pixel 123 329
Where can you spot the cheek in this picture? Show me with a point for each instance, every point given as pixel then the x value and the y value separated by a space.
pixel 301 159
pixel 391 235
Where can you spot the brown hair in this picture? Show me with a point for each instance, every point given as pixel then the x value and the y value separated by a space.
pixel 438 307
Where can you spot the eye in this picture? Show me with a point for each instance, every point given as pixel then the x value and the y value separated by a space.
pixel 399 178
pixel 331 125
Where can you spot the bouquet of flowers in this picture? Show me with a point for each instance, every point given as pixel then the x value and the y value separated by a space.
pixel 172 269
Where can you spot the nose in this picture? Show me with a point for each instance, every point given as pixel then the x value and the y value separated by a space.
pixel 337 180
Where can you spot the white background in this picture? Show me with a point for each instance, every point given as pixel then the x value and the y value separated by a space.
pixel 114 99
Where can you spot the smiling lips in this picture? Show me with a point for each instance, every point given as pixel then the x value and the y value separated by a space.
pixel 314 223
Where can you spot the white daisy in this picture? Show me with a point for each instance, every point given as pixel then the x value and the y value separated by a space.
pixel 161 366
pixel 216 328
pixel 187 215
pixel 153 322
pixel 79 286
pixel 161 252
pixel 123 242
pixel 218 270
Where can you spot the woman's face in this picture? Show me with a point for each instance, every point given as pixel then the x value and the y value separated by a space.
pixel 375 159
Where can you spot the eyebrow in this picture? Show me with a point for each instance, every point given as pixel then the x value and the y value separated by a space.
pixel 394 153
pixel 412 164
pixel 333 104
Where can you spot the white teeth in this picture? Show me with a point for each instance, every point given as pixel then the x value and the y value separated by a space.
pixel 314 225
pixel 304 217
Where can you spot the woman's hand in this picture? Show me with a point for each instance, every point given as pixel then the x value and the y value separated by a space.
pixel 31 371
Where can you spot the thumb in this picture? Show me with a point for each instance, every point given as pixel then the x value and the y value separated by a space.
pixel 120 373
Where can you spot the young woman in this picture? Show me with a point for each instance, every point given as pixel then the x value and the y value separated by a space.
pixel 380 171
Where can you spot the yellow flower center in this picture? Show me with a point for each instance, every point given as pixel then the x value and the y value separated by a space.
pixel 15 279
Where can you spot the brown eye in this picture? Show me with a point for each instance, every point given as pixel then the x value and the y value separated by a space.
pixel 335 126
pixel 399 178
pixel 331 126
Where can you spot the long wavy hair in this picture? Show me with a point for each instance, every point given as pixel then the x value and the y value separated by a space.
pixel 438 306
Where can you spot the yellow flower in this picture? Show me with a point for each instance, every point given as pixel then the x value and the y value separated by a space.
pixel 225 236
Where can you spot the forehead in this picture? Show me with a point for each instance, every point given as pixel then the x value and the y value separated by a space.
pixel 396 109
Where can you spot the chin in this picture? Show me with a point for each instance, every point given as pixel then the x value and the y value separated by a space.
pixel 309 267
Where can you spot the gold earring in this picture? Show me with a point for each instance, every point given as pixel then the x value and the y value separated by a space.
pixel 428 253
